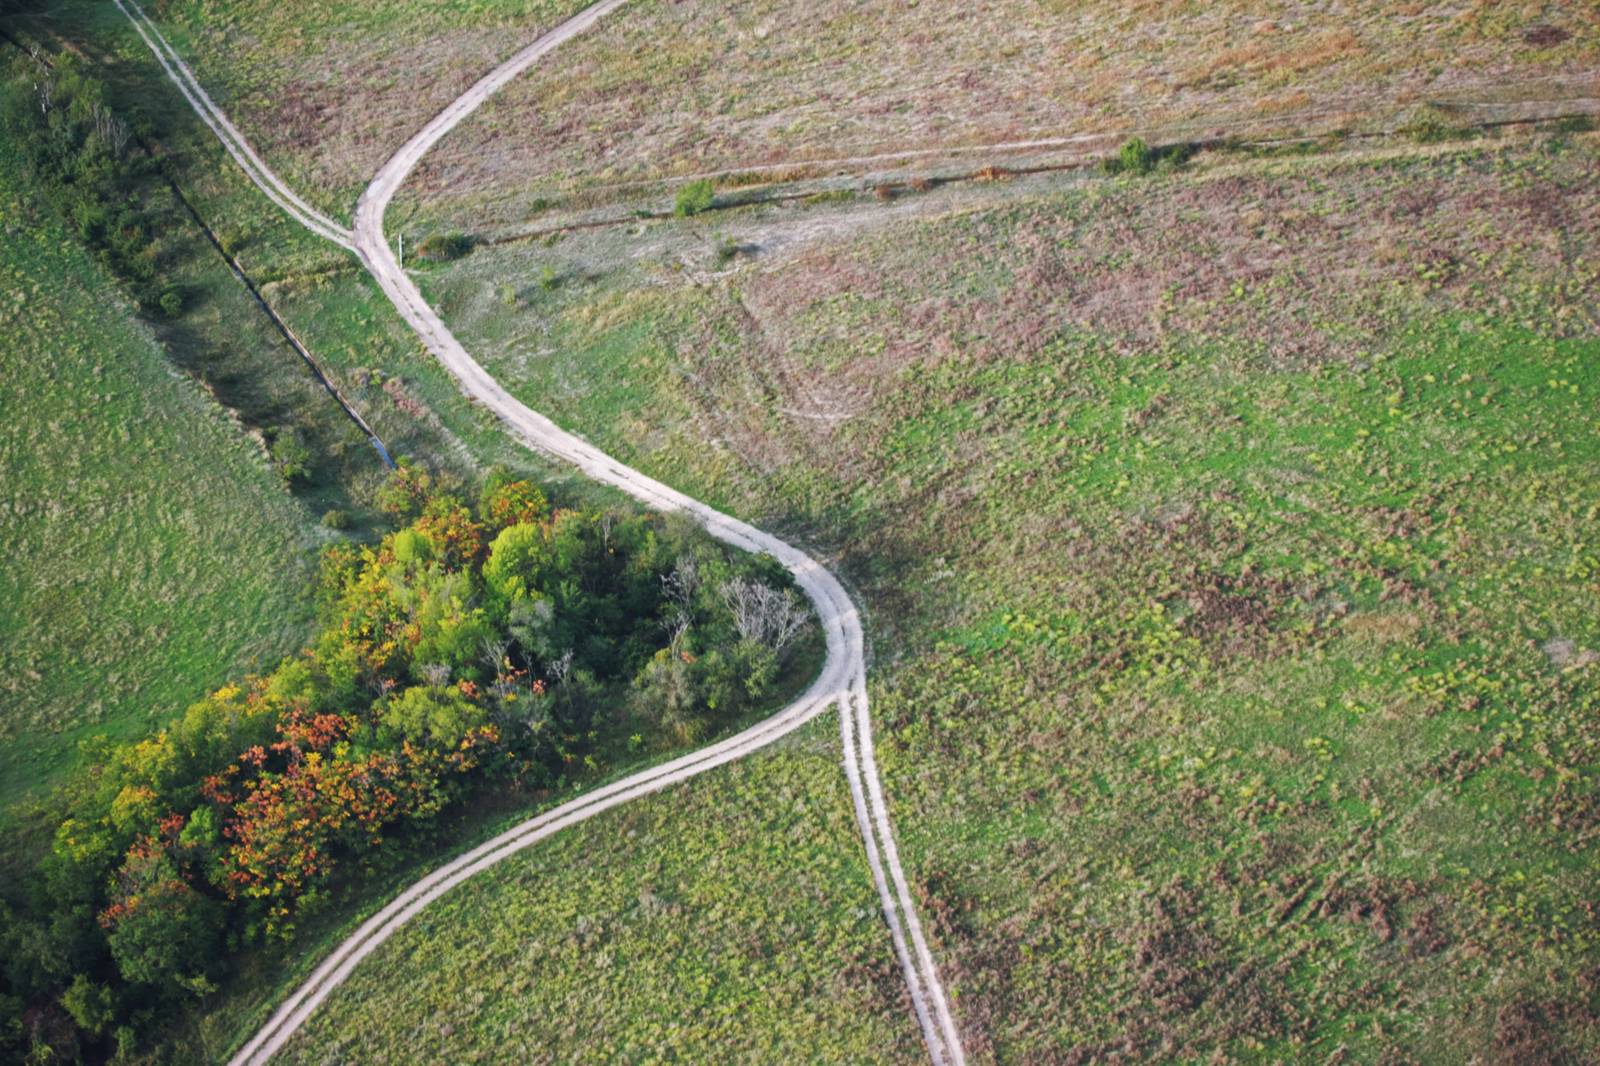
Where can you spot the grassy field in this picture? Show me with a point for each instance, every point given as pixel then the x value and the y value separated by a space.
pixel 1245 708
pixel 328 91
pixel 1248 707
pixel 150 551
pixel 729 918
pixel 661 90
pixel 666 89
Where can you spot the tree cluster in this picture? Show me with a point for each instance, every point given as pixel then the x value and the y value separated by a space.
pixel 496 641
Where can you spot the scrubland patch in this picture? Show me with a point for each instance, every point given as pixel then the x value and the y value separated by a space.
pixel 660 91
pixel 329 91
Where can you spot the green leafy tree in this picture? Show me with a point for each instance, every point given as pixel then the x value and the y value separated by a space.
pixel 92 1006
pixel 438 717
pixel 161 931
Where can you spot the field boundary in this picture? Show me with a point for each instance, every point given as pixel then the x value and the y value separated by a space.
pixel 983 174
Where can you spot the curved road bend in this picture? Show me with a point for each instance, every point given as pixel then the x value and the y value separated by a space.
pixel 843 678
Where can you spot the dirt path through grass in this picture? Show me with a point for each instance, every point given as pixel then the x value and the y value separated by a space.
pixel 843 679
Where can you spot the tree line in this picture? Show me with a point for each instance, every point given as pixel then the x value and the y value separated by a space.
pixel 499 642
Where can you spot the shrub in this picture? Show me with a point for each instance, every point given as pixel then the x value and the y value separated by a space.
pixel 1135 157
pixel 444 247
pixel 921 184
pixel 884 192
pixel 291 456
pixel 335 520
pixel 172 301
pixel 694 198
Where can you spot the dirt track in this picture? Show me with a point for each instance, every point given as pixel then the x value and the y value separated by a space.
pixel 843 678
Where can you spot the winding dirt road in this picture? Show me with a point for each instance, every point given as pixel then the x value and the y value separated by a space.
pixel 843 678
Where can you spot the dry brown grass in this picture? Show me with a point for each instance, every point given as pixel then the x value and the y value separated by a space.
pixel 668 89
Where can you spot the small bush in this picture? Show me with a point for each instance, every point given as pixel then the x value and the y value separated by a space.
pixel 290 455
pixel 444 247
pixel 921 185
pixel 884 192
pixel 233 241
pixel 694 198
pixel 1137 157
pixel 172 301
pixel 1429 131
pixel 335 520
pixel 1575 124
pixel 538 205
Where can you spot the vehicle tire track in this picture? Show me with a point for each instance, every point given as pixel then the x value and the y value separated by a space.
pixel 843 678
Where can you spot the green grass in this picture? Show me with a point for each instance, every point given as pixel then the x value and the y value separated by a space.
pixel 150 552
pixel 1247 703
pixel 1297 709
pixel 753 936
pixel 1233 661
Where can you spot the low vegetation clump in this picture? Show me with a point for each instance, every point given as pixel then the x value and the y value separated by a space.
pixel 498 642
pixel 693 198
pixel 1137 158
pixel 443 247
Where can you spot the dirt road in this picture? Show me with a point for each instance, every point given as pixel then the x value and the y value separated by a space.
pixel 843 678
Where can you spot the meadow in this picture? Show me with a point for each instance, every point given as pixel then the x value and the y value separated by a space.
pixel 151 550
pixel 761 91
pixel 1225 536
pixel 328 91
pixel 731 917
pixel 661 90
pixel 1247 704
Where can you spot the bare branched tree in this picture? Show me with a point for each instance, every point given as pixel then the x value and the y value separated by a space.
pixel 764 614
pixel 678 586
pixel 558 669
pixel 109 128
pixel 494 652
pixel 438 674
pixel 676 626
